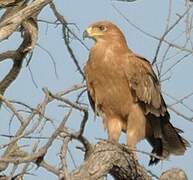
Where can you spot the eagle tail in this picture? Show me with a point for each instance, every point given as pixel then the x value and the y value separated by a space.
pixel 170 142
pixel 176 144
pixel 156 152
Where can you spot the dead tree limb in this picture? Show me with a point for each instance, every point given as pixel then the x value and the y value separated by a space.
pixel 29 31
pixel 110 158
pixel 10 24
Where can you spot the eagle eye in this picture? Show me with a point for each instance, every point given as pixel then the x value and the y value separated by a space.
pixel 102 28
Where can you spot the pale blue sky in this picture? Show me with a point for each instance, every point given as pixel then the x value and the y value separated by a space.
pixel 151 16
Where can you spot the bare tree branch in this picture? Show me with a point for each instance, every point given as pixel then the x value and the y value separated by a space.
pixel 10 24
pixel 30 34
pixel 110 158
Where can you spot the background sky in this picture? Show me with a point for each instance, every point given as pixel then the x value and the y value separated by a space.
pixel 151 16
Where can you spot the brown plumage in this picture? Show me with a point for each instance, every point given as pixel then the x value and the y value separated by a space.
pixel 124 90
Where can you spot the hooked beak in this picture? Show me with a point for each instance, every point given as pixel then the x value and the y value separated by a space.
pixel 87 33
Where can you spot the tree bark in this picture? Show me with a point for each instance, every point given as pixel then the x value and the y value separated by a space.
pixel 116 159
pixel 110 158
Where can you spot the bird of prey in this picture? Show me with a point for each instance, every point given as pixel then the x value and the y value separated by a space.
pixel 124 90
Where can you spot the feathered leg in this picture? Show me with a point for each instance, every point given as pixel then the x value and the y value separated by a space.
pixel 114 127
pixel 136 125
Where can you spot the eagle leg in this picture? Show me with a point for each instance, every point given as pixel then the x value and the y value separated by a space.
pixel 131 143
pixel 136 124
pixel 114 127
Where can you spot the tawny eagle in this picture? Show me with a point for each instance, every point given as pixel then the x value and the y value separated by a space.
pixel 124 90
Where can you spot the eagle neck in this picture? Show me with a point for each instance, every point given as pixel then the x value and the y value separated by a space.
pixel 113 47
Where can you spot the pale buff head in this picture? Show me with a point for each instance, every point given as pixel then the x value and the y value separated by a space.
pixel 105 31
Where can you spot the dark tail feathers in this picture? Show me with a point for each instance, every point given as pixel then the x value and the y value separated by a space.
pixel 170 142
pixel 157 152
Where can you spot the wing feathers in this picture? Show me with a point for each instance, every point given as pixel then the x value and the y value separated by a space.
pixel 144 85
